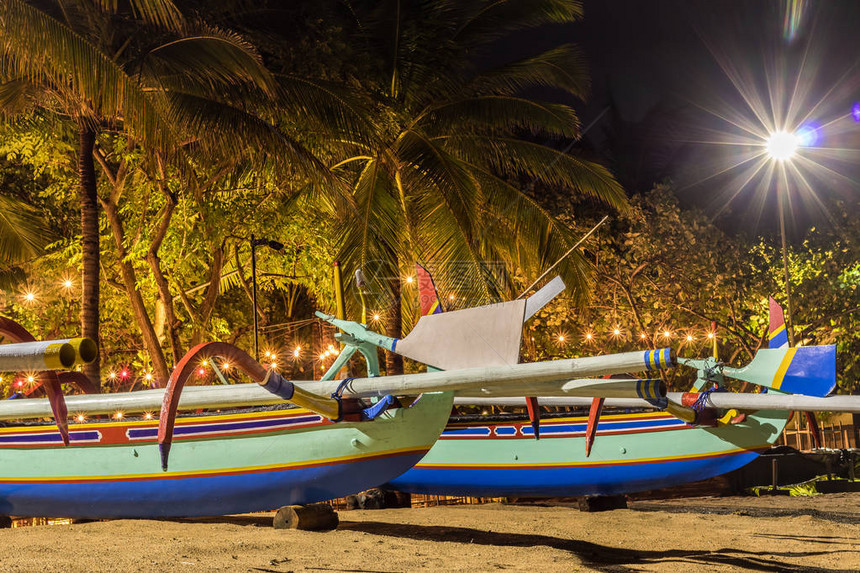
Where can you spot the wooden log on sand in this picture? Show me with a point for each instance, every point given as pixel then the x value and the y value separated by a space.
pixel 316 517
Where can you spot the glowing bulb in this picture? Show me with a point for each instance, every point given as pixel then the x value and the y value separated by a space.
pixel 450 297
pixel 710 335
pixel 666 334
pixel 409 279
pixel 331 348
pixel 147 415
pixel 297 351
pixel 561 338
pixel 124 374
pixel 31 379
pixel 781 145
pixel 643 336
pixel 148 376
pixel 118 415
pixel 322 356
pixel 204 364
pixel 81 418
pixel 67 283
pixel 201 372
pixel 225 365
pixel 375 316
pixel 20 383
pixel 274 365
pixel 268 354
pixel 616 331
pixel 29 297
pixel 689 338
pixel 112 375
pixel 588 336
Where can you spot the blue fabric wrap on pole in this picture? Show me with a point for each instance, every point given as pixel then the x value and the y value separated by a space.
pixel 372 412
pixel 279 386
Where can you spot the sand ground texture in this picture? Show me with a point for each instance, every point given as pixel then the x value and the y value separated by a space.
pixel 819 533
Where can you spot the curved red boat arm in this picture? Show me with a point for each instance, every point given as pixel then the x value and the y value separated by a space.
pixel 49 380
pixel 183 370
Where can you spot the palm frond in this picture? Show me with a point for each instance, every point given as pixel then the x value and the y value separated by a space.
pixel 327 107
pixel 563 67
pixel 491 19
pixel 15 96
pixel 23 232
pixel 163 13
pixel 502 114
pixel 215 58
pixel 513 158
pixel 206 121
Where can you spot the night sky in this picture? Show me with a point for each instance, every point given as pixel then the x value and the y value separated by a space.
pixel 665 67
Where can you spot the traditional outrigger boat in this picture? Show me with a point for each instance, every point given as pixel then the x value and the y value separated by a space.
pixel 643 445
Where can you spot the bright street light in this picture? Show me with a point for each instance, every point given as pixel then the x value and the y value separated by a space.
pixel 781 145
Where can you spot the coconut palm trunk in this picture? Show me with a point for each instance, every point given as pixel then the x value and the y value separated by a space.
pixel 394 329
pixel 90 246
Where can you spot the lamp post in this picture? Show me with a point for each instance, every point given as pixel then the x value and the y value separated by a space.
pixel 781 147
pixel 275 246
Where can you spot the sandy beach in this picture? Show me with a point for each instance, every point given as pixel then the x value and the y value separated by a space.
pixel 820 533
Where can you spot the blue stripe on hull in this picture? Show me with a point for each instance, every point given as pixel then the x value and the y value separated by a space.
pixel 200 496
pixel 549 482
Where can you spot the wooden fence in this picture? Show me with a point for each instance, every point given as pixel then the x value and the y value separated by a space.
pixel 837 433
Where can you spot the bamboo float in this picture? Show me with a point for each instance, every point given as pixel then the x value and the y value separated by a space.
pixel 46 355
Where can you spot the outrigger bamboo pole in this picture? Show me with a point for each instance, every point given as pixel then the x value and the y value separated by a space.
pixel 721 400
pixel 195 397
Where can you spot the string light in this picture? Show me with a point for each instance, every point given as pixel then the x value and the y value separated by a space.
pixel 561 338
pixel 616 332
pixel 148 376
pixel 201 372
pixel 297 352
pixel 124 373
pixel 111 374
pixel 667 334
pixel 147 415
pixel 225 365
pixel 710 335
pixel 376 317
pixel 31 379
pixel 204 364
pixel 29 297
pixel 409 279
pixel 643 336
pixel 274 365
pixel 451 296
pixel 689 338
pixel 322 357
pixel 589 336
pixel 268 354
pixel 81 418
pixel 118 415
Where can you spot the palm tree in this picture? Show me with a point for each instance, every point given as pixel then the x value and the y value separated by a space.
pixel 440 180
pixel 106 66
